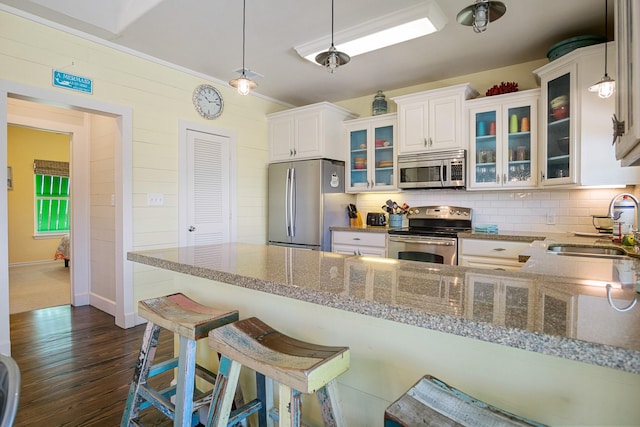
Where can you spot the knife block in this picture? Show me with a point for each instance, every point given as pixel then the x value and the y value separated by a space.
pixel 357 221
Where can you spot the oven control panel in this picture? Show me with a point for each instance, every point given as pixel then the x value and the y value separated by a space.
pixel 439 212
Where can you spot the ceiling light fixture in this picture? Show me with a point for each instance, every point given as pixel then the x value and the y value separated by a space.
pixel 479 14
pixel 396 27
pixel 243 83
pixel 606 85
pixel 332 58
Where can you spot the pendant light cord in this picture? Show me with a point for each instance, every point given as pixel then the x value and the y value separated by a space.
pixel 606 33
pixel 244 18
pixel 331 22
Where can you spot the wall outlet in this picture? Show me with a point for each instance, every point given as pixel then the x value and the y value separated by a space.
pixel 155 199
pixel 551 218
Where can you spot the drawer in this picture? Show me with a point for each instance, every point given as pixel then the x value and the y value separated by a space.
pixel 492 248
pixel 357 238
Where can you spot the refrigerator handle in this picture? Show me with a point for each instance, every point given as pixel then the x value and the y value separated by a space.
pixel 292 203
pixel 287 185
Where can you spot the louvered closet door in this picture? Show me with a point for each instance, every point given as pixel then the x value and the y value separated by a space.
pixel 208 212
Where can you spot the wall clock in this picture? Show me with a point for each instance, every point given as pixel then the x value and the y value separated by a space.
pixel 208 101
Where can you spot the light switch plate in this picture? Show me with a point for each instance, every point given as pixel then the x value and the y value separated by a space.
pixel 155 199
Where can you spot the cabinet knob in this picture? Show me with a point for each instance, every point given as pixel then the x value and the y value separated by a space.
pixel 290 152
pixel 192 228
pixel 504 178
pixel 541 176
pixel 426 144
pixel 430 142
pixel 499 249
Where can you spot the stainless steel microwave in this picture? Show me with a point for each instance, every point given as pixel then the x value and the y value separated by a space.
pixel 442 169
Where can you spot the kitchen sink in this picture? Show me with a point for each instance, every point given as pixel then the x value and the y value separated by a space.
pixel 589 251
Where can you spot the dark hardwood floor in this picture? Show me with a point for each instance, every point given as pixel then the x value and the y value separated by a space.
pixel 76 366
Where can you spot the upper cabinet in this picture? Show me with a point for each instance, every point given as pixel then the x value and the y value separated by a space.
pixel 432 120
pixel 371 155
pixel 503 140
pixel 627 17
pixel 575 124
pixel 313 131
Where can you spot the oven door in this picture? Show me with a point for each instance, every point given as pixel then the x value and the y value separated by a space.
pixel 439 250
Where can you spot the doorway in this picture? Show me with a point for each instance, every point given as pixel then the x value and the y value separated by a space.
pixel 121 305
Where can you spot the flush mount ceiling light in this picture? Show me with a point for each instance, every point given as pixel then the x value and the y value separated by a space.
pixel 606 85
pixel 243 83
pixel 332 58
pixel 479 14
pixel 387 30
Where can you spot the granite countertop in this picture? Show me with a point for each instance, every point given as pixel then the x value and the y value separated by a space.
pixel 540 311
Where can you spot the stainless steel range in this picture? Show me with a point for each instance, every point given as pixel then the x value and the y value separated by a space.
pixel 431 235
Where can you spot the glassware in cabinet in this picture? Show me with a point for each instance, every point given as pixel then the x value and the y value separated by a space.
pixel 383 155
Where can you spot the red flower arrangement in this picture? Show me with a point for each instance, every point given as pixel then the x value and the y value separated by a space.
pixel 505 87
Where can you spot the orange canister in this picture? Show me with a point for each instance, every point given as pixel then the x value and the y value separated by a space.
pixel 524 126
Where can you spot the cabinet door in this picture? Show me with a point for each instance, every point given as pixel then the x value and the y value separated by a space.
pixel 444 130
pixel 308 141
pixel 519 146
pixel 281 134
pixel 559 145
pixel 382 154
pixel 413 127
pixel 485 152
pixel 357 169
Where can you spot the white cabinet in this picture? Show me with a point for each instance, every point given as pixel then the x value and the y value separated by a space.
pixel 575 139
pixel 627 19
pixel 503 140
pixel 371 154
pixel 313 131
pixel 493 254
pixel 432 120
pixel 359 243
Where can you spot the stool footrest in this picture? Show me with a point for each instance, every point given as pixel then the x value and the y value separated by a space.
pixel 241 413
pixel 158 400
pixel 163 366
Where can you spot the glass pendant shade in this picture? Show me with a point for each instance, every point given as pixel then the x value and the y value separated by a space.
pixel 604 87
pixel 332 59
pixel 480 14
pixel 243 84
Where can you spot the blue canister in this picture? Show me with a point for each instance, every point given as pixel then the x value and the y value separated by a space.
pixel 395 220
pixel 379 104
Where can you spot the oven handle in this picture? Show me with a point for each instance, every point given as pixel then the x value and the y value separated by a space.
pixel 423 241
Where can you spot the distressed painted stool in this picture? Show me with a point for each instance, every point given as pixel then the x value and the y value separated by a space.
pixel 191 321
pixel 431 402
pixel 298 367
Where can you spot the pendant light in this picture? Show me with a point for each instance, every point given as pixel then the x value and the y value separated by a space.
pixel 606 85
pixel 479 14
pixel 243 83
pixel 332 58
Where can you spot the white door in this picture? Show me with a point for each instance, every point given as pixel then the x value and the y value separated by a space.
pixel 208 196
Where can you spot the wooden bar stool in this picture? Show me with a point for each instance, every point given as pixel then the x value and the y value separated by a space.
pixel 431 402
pixel 297 366
pixel 191 321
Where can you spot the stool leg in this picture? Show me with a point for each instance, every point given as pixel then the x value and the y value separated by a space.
pixel 329 405
pixel 289 407
pixel 223 393
pixel 141 373
pixel 186 383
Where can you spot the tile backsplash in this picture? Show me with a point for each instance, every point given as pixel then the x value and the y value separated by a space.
pixel 527 210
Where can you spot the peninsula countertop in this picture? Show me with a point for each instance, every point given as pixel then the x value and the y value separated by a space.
pixel 544 313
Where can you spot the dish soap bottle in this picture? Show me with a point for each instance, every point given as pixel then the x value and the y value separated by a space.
pixel 379 104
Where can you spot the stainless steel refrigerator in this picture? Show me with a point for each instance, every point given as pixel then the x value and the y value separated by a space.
pixel 306 197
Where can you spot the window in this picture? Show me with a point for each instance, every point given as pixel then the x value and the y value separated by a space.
pixel 51 184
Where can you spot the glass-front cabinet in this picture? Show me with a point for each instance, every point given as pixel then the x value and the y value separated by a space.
pixel 559 149
pixel 371 160
pixel 503 135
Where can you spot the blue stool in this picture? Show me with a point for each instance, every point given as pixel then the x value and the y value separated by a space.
pixel 297 366
pixel 191 321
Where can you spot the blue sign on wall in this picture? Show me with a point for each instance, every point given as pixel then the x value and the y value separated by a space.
pixel 73 82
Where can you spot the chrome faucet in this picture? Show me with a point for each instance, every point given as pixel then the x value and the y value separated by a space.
pixel 635 200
